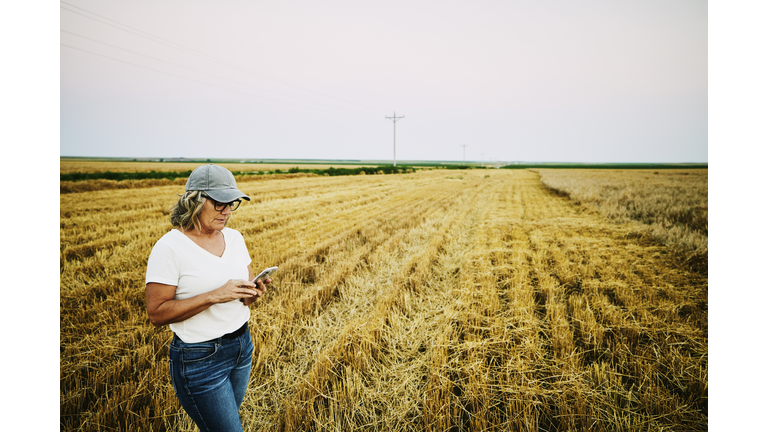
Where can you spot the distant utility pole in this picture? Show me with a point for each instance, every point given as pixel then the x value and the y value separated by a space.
pixel 394 119
pixel 482 159
pixel 464 157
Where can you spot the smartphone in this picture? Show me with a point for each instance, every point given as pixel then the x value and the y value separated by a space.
pixel 264 273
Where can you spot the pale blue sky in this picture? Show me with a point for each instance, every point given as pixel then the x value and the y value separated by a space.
pixel 581 81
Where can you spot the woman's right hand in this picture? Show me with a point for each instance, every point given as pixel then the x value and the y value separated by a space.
pixel 234 289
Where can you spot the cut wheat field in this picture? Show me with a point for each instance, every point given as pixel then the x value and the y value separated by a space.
pixel 435 301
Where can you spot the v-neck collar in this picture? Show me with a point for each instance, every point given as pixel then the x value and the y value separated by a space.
pixel 224 237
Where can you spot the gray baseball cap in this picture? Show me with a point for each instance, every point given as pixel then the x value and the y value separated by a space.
pixel 216 181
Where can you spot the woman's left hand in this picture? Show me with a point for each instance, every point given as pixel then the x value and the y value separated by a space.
pixel 261 289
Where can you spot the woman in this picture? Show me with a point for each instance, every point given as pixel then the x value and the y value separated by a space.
pixel 198 281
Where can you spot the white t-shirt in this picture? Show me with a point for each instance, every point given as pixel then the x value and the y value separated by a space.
pixel 177 260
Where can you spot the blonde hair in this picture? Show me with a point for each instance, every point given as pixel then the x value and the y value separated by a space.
pixel 185 214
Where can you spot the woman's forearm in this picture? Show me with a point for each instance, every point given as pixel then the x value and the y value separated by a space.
pixel 173 311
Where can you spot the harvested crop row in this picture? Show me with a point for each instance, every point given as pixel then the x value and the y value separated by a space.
pixel 600 289
pixel 370 348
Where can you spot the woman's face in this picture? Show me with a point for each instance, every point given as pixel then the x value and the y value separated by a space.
pixel 212 220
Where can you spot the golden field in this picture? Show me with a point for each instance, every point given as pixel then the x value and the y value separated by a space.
pixel 434 301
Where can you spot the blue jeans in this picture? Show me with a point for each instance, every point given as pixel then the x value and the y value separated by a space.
pixel 210 379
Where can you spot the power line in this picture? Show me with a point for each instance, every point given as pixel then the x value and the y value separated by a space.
pixel 181 66
pixel 203 82
pixel 175 45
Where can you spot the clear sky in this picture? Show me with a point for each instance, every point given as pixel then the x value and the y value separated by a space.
pixel 578 81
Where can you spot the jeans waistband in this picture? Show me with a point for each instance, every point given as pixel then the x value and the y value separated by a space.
pixel 229 336
pixel 237 333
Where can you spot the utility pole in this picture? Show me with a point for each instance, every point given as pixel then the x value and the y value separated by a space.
pixel 464 157
pixel 394 119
